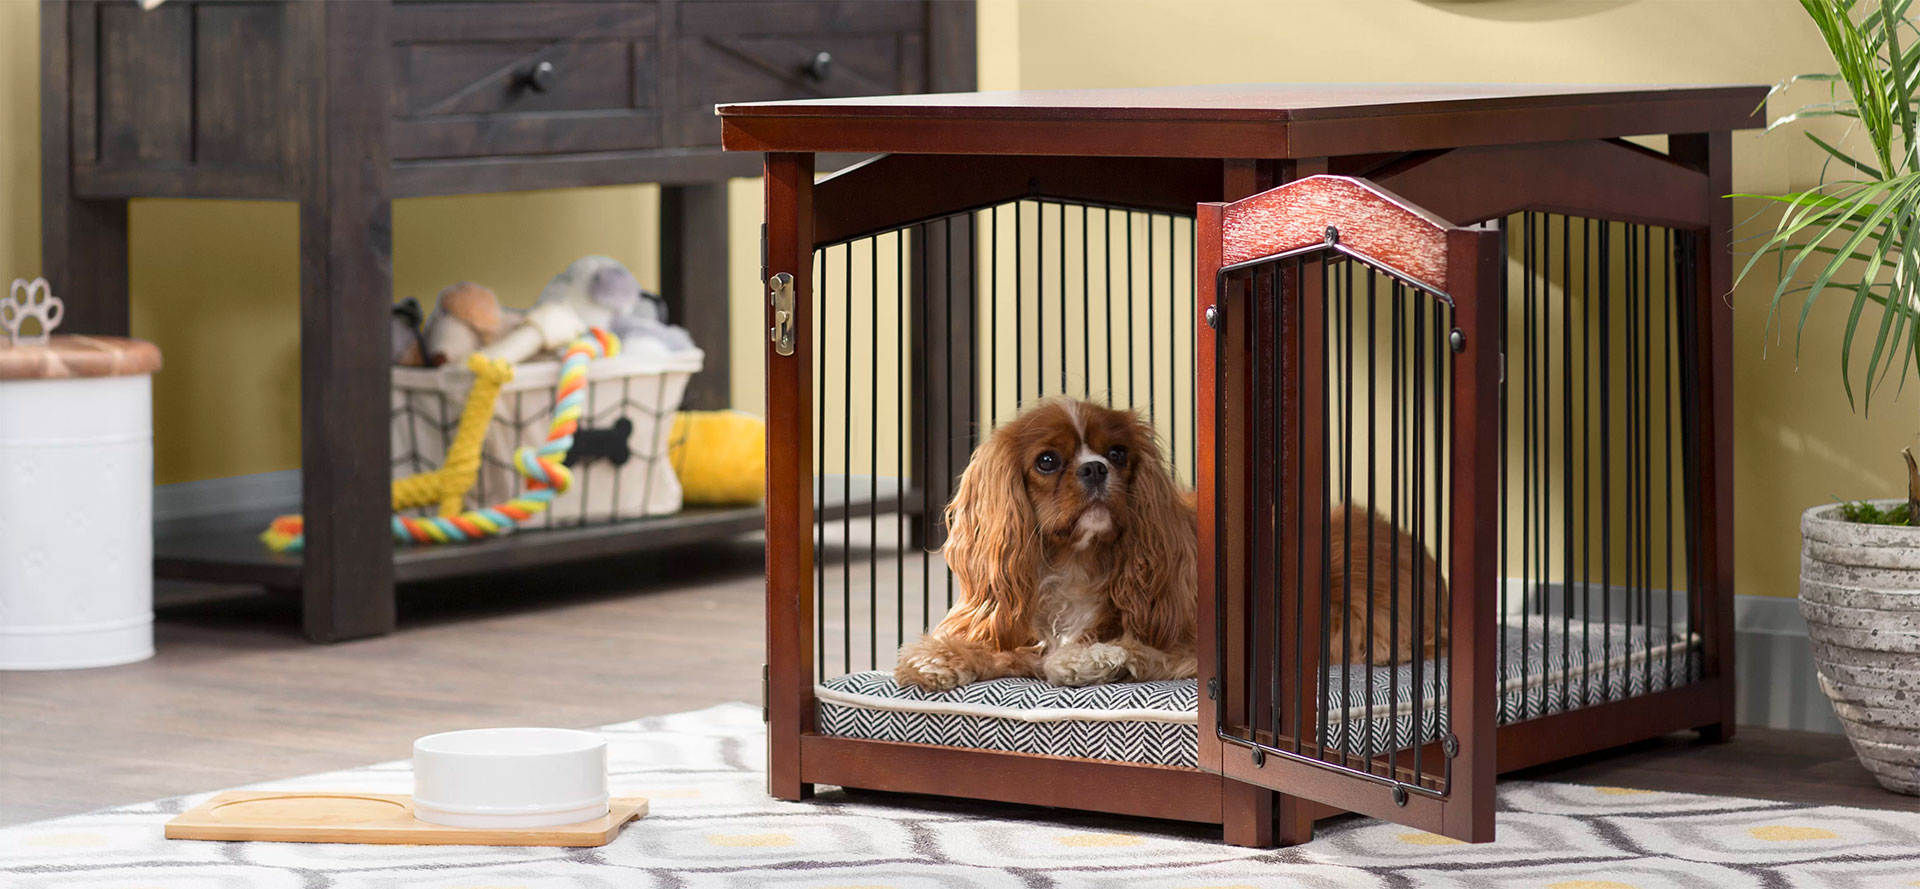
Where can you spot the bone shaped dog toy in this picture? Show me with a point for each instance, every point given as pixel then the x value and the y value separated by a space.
pixel 595 444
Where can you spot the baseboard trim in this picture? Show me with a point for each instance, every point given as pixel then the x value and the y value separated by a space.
pixel 1775 681
pixel 186 503
pixel 1777 686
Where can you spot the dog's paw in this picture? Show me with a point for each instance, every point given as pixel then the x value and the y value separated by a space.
pixel 1152 669
pixel 1078 665
pixel 1187 668
pixel 931 670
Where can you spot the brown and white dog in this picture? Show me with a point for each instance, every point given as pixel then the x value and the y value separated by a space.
pixel 1391 574
pixel 1074 552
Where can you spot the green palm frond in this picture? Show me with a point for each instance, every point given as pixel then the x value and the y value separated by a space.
pixel 1855 235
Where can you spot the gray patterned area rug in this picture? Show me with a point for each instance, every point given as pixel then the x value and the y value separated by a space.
pixel 713 826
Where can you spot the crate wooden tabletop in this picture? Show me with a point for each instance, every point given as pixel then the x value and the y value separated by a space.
pixel 1240 120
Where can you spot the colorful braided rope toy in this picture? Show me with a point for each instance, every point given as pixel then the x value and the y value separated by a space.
pixel 544 468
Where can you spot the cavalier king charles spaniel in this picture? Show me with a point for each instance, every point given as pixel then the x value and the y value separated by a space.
pixel 1390 574
pixel 1074 552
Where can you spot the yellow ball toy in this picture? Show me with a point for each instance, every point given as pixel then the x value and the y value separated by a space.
pixel 720 457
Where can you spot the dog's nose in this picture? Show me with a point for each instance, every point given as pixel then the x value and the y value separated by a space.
pixel 1093 474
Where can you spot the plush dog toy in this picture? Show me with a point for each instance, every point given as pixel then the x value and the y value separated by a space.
pixel 604 294
pixel 409 347
pixel 594 291
pixel 466 317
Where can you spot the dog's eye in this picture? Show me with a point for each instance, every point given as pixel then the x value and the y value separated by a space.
pixel 1048 463
pixel 1117 455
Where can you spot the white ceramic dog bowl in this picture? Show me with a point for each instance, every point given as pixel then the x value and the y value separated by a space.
pixel 510 777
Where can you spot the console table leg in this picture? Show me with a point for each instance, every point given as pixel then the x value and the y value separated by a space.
pixel 346 295
pixel 83 252
pixel 84 259
pixel 347 569
pixel 693 280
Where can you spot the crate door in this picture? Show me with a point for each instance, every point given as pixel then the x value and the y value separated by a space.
pixel 1350 381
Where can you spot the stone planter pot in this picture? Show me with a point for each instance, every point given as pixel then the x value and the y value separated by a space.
pixel 1860 594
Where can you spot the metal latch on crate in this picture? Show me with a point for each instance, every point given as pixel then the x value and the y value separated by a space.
pixel 780 293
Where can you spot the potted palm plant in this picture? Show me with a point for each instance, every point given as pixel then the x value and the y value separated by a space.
pixel 1855 237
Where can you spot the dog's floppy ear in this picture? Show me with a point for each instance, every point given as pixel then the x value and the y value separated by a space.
pixel 992 548
pixel 1156 589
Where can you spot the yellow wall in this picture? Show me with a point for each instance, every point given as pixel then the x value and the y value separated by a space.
pixel 215 283
pixel 20 139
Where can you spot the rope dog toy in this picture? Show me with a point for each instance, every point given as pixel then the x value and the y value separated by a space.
pixel 544 467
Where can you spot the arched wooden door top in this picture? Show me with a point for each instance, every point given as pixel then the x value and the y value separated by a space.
pixel 1318 210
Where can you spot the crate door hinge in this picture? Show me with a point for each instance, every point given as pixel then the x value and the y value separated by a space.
pixel 780 295
pixel 764 674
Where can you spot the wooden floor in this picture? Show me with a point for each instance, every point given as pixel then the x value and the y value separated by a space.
pixel 236 696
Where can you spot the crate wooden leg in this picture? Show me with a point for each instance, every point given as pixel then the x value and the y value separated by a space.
pixel 1711 454
pixel 1246 814
pixel 785 788
pixel 1293 820
pixel 790 594
pixel 1262 819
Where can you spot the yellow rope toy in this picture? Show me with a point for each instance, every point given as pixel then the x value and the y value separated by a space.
pixel 543 467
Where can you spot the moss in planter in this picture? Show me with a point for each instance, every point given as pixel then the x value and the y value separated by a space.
pixel 1866 513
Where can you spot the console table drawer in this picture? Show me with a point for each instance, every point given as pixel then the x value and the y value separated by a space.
pixel 476 79
pixel 751 51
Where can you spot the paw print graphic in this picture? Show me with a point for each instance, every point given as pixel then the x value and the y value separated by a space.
pixel 30 300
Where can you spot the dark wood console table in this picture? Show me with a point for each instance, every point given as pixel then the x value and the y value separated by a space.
pixel 345 106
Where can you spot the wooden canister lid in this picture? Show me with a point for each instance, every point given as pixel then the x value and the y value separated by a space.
pixel 63 356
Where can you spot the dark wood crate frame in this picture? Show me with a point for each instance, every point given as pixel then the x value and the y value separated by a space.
pixel 1465 154
pixel 151 104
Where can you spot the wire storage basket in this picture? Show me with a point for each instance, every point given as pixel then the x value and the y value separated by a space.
pixel 620 463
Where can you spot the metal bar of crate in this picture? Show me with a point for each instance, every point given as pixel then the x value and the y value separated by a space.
pixel 1417 418
pixel 1029 325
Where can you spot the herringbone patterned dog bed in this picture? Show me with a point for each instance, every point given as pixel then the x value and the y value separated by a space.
pixel 1144 722
pixel 1542 671
pixel 1156 722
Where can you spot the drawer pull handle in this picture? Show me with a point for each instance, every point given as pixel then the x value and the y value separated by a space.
pixel 821 67
pixel 540 77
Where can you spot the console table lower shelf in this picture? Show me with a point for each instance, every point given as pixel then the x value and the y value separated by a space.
pixel 227 548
